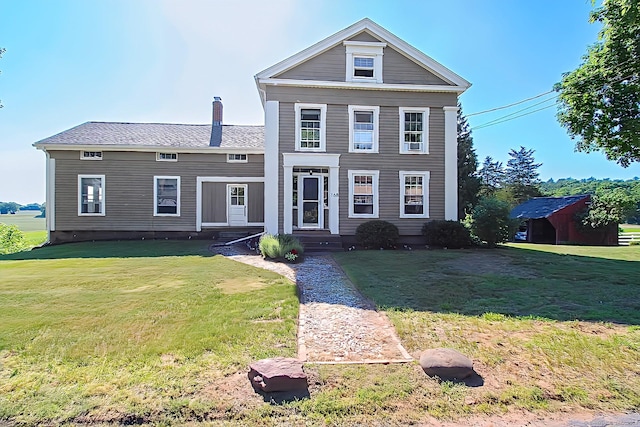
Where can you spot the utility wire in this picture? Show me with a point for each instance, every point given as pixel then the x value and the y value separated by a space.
pixel 513 118
pixel 509 105
pixel 553 98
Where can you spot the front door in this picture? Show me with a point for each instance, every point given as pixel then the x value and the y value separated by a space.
pixel 310 208
pixel 237 203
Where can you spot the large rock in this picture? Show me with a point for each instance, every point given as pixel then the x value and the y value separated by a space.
pixel 277 374
pixel 446 363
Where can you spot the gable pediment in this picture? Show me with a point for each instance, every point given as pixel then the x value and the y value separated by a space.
pixel 328 61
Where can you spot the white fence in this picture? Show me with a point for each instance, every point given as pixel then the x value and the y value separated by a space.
pixel 625 239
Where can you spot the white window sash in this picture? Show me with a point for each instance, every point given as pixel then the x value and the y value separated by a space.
pixel 91 198
pixel 375 175
pixel 375 110
pixel 424 144
pixel 425 175
pixel 298 107
pixel 156 195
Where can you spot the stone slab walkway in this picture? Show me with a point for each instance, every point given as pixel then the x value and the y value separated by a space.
pixel 336 323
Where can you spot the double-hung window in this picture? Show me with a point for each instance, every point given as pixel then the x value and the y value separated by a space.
pixel 364 61
pixel 414 194
pixel 414 130
pixel 363 128
pixel 310 127
pixel 166 195
pixel 91 195
pixel 363 194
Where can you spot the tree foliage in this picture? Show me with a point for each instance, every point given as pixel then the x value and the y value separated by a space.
pixel 599 102
pixel 8 207
pixel 491 175
pixel 468 181
pixel 611 207
pixel 489 221
pixel 597 187
pixel 12 239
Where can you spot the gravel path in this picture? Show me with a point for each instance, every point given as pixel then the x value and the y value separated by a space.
pixel 336 323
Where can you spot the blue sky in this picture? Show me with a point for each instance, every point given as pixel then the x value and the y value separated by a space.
pixel 72 61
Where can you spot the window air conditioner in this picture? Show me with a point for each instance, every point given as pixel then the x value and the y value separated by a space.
pixel 414 146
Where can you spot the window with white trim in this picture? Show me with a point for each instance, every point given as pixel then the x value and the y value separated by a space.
pixel 363 194
pixel 363 128
pixel 166 157
pixel 91 195
pixel 414 194
pixel 236 158
pixel 364 61
pixel 414 130
pixel 311 127
pixel 166 195
pixel 91 155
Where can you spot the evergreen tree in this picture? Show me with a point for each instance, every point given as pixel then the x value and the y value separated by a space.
pixel 468 181
pixel 491 176
pixel 522 180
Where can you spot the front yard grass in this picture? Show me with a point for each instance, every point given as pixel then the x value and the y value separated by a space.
pixel 550 328
pixel 125 333
pixel 161 332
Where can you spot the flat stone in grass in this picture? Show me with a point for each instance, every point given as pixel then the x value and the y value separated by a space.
pixel 277 375
pixel 446 363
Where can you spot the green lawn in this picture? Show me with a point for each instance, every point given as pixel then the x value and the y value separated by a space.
pixel 549 327
pixel 25 220
pixel 161 332
pixel 122 331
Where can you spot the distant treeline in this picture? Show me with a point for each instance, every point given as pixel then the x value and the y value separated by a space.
pixel 570 187
pixel 8 207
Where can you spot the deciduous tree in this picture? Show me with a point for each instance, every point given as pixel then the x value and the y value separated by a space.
pixel 599 102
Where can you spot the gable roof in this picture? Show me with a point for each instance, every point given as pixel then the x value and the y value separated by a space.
pixel 544 207
pixel 154 135
pixel 371 27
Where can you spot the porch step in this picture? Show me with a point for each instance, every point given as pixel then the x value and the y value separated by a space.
pixel 320 241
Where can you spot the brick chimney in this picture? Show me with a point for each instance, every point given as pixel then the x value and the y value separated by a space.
pixel 216 124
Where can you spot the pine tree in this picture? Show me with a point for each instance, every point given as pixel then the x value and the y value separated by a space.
pixel 468 181
pixel 522 180
pixel 491 175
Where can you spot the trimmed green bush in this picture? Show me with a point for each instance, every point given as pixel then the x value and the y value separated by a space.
pixel 12 239
pixel 489 221
pixel 377 235
pixel 279 245
pixel 446 234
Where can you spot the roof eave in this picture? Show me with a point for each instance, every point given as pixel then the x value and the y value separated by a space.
pixel 146 148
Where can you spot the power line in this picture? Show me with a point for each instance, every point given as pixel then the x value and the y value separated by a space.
pixel 513 118
pixel 519 111
pixel 509 105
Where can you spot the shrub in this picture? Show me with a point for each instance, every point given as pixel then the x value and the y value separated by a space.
pixel 377 235
pixel 634 243
pixel 12 239
pixel 489 221
pixel 279 246
pixel 449 234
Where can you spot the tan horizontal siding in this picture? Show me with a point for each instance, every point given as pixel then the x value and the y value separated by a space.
pixel 360 97
pixel 256 202
pixel 364 36
pixel 214 202
pixel 128 192
pixel 388 161
pixel 398 69
pixel 328 66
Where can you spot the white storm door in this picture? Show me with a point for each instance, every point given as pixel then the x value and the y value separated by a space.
pixel 310 203
pixel 237 205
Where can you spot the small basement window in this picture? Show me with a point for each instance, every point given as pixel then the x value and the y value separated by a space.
pixel 167 157
pixel 237 158
pixel 91 155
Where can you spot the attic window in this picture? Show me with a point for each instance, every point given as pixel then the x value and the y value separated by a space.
pixel 364 61
pixel 167 157
pixel 91 155
pixel 363 67
pixel 236 158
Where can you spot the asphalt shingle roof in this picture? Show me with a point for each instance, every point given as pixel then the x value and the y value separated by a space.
pixel 157 135
pixel 544 207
